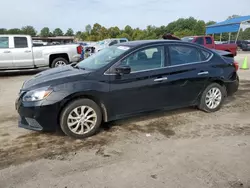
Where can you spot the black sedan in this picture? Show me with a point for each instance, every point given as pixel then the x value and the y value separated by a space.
pixel 124 80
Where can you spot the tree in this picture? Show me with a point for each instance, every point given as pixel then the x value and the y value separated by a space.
pixel 45 32
pixel 128 30
pixel 114 32
pixel 184 33
pixel 96 29
pixel 88 28
pixel 58 32
pixel 199 28
pixel 233 16
pixel 29 30
pixel 245 35
pixel 14 31
pixel 3 31
pixel 210 23
pixel 69 32
pixel 78 34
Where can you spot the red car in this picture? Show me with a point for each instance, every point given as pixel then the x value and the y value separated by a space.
pixel 208 41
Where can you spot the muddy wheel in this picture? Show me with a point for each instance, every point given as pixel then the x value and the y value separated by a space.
pixel 59 62
pixel 212 98
pixel 81 118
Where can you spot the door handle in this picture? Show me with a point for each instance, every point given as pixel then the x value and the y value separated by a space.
pixel 160 79
pixel 6 52
pixel 27 51
pixel 203 73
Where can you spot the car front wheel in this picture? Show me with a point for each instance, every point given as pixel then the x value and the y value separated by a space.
pixel 81 118
pixel 212 98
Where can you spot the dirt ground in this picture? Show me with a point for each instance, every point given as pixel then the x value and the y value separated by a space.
pixel 180 148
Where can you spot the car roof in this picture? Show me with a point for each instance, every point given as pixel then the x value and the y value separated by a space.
pixel 147 42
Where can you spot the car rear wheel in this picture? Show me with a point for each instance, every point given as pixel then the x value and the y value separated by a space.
pixel 81 118
pixel 212 98
pixel 59 62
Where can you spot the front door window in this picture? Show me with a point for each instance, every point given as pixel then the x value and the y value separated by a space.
pixel 145 59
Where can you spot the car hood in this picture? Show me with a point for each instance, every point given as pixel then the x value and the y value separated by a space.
pixel 54 76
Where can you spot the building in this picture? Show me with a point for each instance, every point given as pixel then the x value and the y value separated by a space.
pixel 57 39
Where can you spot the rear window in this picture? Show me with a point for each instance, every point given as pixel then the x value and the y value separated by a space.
pixel 4 42
pixel 20 42
pixel 180 55
pixel 200 41
pixel 209 40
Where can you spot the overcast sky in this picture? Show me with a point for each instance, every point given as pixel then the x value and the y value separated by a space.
pixel 77 14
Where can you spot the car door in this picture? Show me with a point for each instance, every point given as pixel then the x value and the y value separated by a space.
pixel 6 56
pixel 22 52
pixel 145 88
pixel 188 71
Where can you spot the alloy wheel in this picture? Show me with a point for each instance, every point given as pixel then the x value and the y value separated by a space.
pixel 82 120
pixel 60 63
pixel 213 98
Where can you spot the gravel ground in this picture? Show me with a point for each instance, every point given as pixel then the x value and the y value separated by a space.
pixel 181 148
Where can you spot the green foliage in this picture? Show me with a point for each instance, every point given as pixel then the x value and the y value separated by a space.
pixel 181 27
pixel 3 31
pixel 28 30
pixel 45 32
pixel 233 16
pixel 69 32
pixel 88 28
pixel 210 23
pixel 58 32
pixel 15 31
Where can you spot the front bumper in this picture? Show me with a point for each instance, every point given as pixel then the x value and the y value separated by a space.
pixel 35 116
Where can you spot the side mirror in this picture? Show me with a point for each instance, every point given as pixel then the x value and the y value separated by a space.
pixel 123 70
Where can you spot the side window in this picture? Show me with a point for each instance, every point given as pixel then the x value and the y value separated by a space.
pixel 146 59
pixel 205 55
pixel 200 41
pixel 122 40
pixel 209 40
pixel 4 42
pixel 183 54
pixel 113 42
pixel 20 42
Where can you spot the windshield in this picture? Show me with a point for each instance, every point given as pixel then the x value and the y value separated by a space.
pixel 102 58
pixel 187 39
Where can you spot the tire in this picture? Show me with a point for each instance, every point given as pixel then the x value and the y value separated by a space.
pixel 68 110
pixel 202 103
pixel 58 60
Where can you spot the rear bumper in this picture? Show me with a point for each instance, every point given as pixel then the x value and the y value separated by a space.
pixel 232 86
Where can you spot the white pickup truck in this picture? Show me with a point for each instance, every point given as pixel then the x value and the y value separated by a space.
pixel 18 52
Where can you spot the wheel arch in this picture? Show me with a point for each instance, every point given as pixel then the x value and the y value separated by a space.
pixel 52 57
pixel 218 81
pixel 80 95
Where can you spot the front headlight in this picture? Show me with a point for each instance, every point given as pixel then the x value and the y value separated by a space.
pixel 37 94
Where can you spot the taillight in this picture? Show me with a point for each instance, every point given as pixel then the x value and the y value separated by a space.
pixel 236 65
pixel 79 49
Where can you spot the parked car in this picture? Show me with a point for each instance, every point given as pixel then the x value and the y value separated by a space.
pixel 124 80
pixel 245 46
pixel 18 52
pixel 208 41
pixel 109 42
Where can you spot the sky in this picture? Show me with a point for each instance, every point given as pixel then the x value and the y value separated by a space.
pixel 76 14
